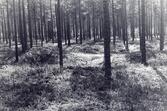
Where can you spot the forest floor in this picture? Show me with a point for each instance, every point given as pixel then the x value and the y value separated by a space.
pixel 35 83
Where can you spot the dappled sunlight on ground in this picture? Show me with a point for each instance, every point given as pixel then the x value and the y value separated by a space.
pixel 78 87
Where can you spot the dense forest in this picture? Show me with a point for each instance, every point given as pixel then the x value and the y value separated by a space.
pixel 83 55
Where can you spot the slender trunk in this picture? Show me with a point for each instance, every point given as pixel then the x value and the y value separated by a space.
pixel 106 34
pixel 51 14
pixel 162 27
pixel 93 20
pixel 65 29
pixel 41 15
pixel 142 39
pixel 29 24
pixel 8 23
pixel 80 22
pixel 133 20
pixel 114 26
pixel 21 27
pixel 45 23
pixel 24 27
pixel 5 28
pixel 139 7
pixel 59 33
pixel 68 30
pixel 89 27
pixel 126 27
pixel 76 23
pixel 15 33
pixel 35 25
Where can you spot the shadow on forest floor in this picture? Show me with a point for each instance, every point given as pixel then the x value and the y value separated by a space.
pixel 160 74
pixel 135 57
pixel 129 91
pixel 130 95
pixel 28 89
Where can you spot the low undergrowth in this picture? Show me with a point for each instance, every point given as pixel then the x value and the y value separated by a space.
pixel 38 56
pixel 31 88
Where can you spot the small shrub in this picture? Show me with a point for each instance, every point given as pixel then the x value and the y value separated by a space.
pixel 38 56
pixel 30 89
pixel 87 79
pixel 89 49
pixel 135 57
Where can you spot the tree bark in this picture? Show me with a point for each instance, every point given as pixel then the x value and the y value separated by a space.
pixel 15 33
pixel 142 38
pixel 106 34
pixel 30 24
pixel 162 27
pixel 59 33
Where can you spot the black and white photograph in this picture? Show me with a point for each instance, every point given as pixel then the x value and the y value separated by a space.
pixel 83 55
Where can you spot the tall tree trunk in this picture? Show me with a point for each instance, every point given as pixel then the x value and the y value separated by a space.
pixel 41 17
pixel 68 30
pixel 114 25
pixel 8 23
pixel 24 27
pixel 132 19
pixel 142 38
pixel 21 27
pixel 30 24
pixel 123 23
pixel 151 21
pixel 65 28
pixel 80 21
pixel 139 9
pixel 5 28
pixel 45 23
pixel 51 30
pixel 76 22
pixel 106 34
pixel 101 28
pixel 35 25
pixel 126 27
pixel 59 34
pixel 89 26
pixel 2 28
pixel 3 32
pixel 83 28
pixel 93 23
pixel 162 27
pixel 15 33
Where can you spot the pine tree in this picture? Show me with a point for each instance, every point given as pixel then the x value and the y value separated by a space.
pixel 142 38
pixel 106 34
pixel 59 35
pixel 15 33
pixel 162 27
